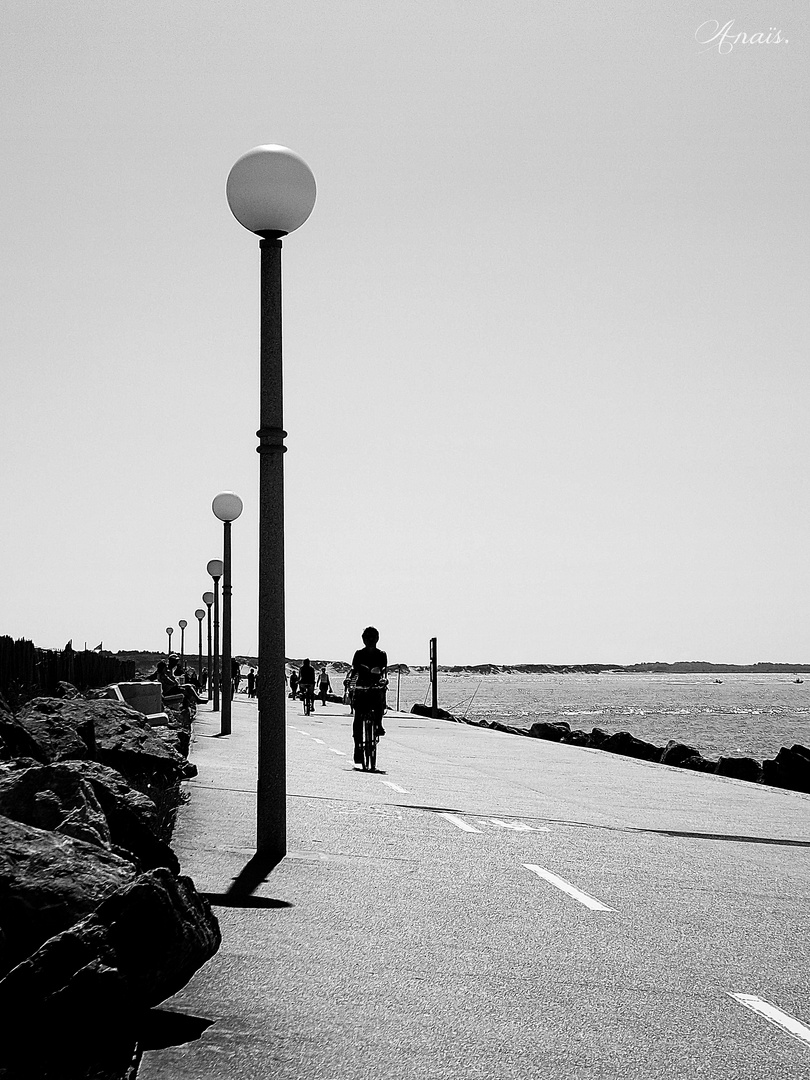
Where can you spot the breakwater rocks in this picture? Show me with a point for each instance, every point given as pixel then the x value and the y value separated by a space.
pixel 789 769
pixel 97 925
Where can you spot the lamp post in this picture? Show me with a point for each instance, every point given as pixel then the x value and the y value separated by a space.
pixel 170 631
pixel 182 624
pixel 227 506
pixel 208 599
pixel 215 570
pixel 199 615
pixel 271 191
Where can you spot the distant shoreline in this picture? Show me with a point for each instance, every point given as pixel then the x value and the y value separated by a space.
pixel 681 667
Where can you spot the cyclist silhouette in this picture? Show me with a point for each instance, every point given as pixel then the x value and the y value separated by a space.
pixel 369 669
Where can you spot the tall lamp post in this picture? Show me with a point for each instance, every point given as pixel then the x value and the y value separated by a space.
pixel 271 191
pixel 199 615
pixel 170 631
pixel 227 506
pixel 215 570
pixel 182 624
pixel 208 599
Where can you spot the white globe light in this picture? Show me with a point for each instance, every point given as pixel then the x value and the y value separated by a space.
pixel 227 506
pixel 200 613
pixel 215 568
pixel 208 597
pixel 271 189
pixel 182 624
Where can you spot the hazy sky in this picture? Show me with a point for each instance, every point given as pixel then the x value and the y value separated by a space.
pixel 546 330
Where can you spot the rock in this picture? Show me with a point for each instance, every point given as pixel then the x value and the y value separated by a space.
pixel 676 752
pixel 789 769
pixel 554 732
pixel 741 768
pixel 598 738
pixel 58 728
pixel 577 738
pixel 425 710
pixel 141 944
pixel 622 742
pixel 697 763
pixel 57 798
pixel 48 882
pixel 103 808
pixel 67 690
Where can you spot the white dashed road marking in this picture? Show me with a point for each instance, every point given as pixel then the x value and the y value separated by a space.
pixel 567 887
pixel 341 752
pixel 459 824
pixel 396 787
pixel 788 1023
pixel 518 826
pixel 318 741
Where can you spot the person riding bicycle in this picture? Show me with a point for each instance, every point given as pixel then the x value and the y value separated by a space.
pixel 306 685
pixel 369 670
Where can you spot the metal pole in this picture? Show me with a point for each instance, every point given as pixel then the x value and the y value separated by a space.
pixel 399 672
pixel 210 665
pixel 434 672
pixel 216 645
pixel 271 804
pixel 199 652
pixel 169 632
pixel 227 682
pixel 182 648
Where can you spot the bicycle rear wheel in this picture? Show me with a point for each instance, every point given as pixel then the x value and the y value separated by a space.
pixel 369 745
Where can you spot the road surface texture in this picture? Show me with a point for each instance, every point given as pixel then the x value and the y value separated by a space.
pixel 491 907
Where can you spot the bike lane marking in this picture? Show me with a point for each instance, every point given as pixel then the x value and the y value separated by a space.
pixel 775 1016
pixel 567 887
pixel 459 824
pixel 396 787
pixel 334 751
pixel 518 826
pixel 318 740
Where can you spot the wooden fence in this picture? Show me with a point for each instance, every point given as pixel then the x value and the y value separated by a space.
pixel 27 672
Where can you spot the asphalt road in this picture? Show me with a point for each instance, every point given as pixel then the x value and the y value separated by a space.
pixel 491 906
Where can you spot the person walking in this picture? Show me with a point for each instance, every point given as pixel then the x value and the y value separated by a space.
pixel 324 686
pixel 294 680
pixel 236 676
pixel 251 681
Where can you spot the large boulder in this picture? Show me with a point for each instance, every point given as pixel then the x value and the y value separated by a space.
pixel 88 985
pixel 740 768
pixel 141 944
pixel 554 732
pixel 54 797
pixel 677 752
pixel 622 742
pixel 598 738
pixel 789 769
pixel 426 710
pixel 698 763
pixel 50 729
pixel 47 882
pixel 577 738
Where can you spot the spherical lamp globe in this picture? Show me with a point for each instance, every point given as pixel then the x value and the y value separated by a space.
pixel 227 506
pixel 199 614
pixel 271 190
pixel 215 568
pixel 208 597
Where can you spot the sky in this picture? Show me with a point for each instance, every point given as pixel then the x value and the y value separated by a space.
pixel 545 332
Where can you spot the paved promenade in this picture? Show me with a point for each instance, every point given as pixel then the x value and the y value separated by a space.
pixel 492 908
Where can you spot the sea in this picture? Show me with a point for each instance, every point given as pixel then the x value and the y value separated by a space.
pixel 750 715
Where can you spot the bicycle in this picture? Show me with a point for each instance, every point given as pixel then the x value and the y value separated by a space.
pixel 368 716
pixel 308 696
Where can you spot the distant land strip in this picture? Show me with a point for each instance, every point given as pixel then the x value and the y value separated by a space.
pixel 658 667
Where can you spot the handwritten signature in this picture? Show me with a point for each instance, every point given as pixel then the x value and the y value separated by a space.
pixel 724 38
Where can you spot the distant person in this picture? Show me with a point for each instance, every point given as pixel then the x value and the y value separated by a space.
pixel 294 680
pixel 204 679
pixel 236 676
pixel 348 688
pixel 306 684
pixel 172 688
pixel 251 681
pixel 369 669
pixel 324 686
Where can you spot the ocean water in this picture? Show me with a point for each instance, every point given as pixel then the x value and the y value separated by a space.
pixel 741 714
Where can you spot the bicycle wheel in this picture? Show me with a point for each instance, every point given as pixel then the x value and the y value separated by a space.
pixel 369 754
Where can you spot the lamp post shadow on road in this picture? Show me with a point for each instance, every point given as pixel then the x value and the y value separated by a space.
pixel 271 192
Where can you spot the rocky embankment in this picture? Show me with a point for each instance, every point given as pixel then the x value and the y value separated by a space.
pixel 789 769
pixel 97 925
